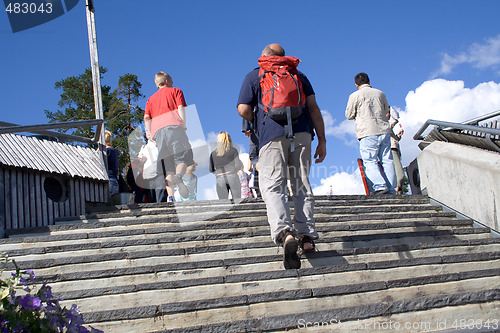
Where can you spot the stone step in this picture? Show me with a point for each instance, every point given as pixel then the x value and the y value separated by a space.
pixel 144 295
pixel 465 318
pixel 251 258
pixel 90 231
pixel 124 227
pixel 249 204
pixel 231 210
pixel 247 227
pixel 197 214
pixel 285 312
pixel 210 266
pixel 116 234
pixel 239 222
pixel 180 246
pixel 134 218
pixel 122 279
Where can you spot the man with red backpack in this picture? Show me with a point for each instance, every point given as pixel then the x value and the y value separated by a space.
pixel 287 117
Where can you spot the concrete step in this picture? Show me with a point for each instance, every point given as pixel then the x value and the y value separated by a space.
pixel 165 221
pixel 251 257
pixel 210 266
pixel 99 235
pixel 95 232
pixel 465 318
pixel 175 245
pixel 207 230
pixel 220 210
pixel 286 313
pixel 82 284
pixel 244 204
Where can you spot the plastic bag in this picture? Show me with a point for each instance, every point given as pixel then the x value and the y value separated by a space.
pixel 150 151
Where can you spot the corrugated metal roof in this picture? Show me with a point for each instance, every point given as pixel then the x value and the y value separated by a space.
pixel 54 157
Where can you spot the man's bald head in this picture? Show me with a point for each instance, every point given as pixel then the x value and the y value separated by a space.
pixel 273 49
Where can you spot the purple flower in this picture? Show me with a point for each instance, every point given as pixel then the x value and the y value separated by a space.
pixel 49 308
pixel 73 317
pixel 3 325
pixel 43 306
pixel 31 274
pixel 24 283
pixel 28 302
pixel 45 292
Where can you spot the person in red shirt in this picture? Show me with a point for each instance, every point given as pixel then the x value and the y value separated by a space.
pixel 165 122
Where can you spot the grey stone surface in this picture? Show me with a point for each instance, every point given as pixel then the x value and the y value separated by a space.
pixel 210 266
pixel 444 166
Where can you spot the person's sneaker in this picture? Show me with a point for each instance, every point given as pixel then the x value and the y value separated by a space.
pixel 291 258
pixel 170 199
pixel 183 190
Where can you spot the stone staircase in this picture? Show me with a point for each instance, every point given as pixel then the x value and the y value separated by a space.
pixel 384 263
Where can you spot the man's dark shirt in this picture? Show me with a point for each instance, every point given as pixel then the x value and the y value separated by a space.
pixel 267 129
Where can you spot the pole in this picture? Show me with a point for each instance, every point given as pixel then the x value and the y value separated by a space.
pixel 96 76
pixel 363 176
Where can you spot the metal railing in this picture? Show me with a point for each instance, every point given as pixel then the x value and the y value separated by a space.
pixel 476 121
pixel 469 126
pixel 42 129
pixel 446 124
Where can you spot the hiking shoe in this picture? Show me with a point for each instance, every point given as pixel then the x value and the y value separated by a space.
pixel 291 258
pixel 304 240
pixel 183 190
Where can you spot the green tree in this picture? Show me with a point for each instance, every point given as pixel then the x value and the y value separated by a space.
pixel 125 114
pixel 122 113
pixel 78 99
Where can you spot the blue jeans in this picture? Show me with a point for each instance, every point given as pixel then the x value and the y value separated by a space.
pixel 377 148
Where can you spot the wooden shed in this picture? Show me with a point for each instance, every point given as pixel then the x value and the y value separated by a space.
pixel 41 181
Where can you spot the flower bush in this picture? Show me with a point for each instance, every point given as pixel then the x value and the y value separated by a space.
pixel 34 310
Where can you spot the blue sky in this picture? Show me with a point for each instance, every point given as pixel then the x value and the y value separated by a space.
pixel 433 59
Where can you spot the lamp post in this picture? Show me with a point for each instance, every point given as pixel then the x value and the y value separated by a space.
pixel 96 76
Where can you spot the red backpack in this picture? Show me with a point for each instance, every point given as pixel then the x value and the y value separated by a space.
pixel 281 88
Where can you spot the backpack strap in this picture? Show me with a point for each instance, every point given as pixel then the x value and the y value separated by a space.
pixel 271 91
pixel 289 130
pixel 299 89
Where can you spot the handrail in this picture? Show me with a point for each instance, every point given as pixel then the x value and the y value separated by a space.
pixel 43 132
pixel 41 129
pixel 487 130
pixel 481 118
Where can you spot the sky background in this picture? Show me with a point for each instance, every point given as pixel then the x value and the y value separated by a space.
pixel 433 59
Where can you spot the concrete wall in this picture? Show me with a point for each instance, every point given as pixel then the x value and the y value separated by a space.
pixel 464 178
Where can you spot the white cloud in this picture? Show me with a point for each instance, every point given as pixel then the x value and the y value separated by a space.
pixel 244 159
pixel 435 99
pixel 444 100
pixel 480 56
pixel 212 137
pixel 209 193
pixel 197 143
pixel 344 131
pixel 341 183
pixel 206 186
